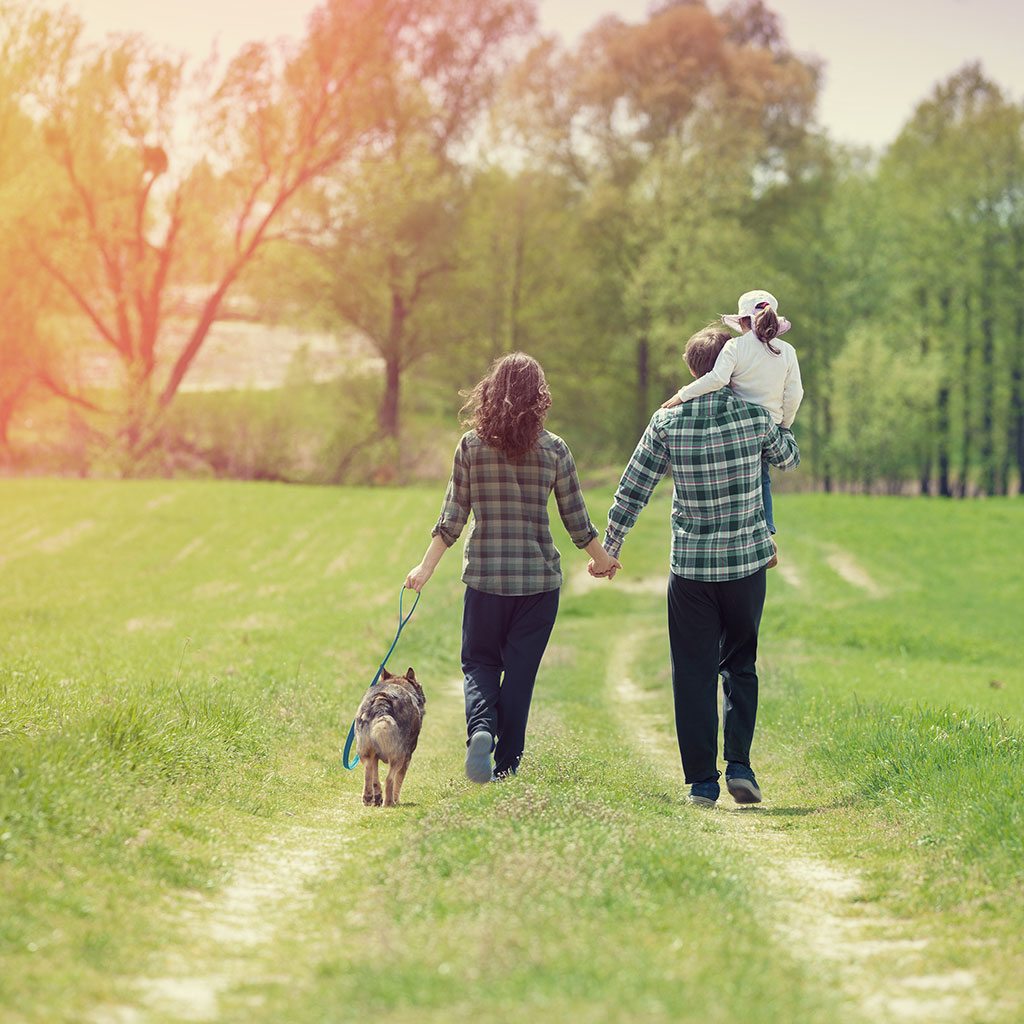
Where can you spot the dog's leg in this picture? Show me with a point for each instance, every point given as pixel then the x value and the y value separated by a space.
pixel 367 783
pixel 399 774
pixel 390 787
pixel 376 780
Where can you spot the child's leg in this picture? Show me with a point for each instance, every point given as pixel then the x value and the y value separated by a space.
pixel 766 495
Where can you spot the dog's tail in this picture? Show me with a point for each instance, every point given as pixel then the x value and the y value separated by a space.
pixel 384 735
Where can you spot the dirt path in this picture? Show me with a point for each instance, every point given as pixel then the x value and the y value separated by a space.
pixel 847 568
pixel 227 940
pixel 814 907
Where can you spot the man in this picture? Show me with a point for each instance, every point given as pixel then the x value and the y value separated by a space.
pixel 721 547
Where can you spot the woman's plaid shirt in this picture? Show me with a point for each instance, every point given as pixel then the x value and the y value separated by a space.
pixel 714 446
pixel 509 548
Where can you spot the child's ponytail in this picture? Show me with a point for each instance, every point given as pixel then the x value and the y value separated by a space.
pixel 766 328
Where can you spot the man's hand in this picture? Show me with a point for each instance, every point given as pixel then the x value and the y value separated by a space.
pixel 672 402
pixel 604 566
pixel 417 578
pixel 608 574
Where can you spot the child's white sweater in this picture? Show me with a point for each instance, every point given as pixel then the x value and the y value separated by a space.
pixel 756 375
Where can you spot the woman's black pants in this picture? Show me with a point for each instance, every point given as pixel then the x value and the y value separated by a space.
pixel 503 641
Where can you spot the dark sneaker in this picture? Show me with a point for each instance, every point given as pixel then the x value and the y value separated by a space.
pixel 704 793
pixel 741 783
pixel 478 757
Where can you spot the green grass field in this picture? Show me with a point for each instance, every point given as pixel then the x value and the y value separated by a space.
pixel 180 663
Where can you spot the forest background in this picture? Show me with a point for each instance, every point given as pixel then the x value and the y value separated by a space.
pixel 285 264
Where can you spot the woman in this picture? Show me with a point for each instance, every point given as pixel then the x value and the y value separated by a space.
pixel 504 471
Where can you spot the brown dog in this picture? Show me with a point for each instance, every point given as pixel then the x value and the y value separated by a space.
pixel 387 729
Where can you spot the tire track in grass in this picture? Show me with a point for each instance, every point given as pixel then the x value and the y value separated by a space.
pixel 226 941
pixel 877 961
pixel 847 568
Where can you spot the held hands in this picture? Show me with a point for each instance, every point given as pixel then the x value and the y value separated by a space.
pixel 604 566
pixel 417 578
pixel 672 402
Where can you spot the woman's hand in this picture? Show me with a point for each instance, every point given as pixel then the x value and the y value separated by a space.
pixel 417 578
pixel 603 565
pixel 672 402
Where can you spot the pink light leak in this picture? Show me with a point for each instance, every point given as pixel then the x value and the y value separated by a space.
pixel 881 57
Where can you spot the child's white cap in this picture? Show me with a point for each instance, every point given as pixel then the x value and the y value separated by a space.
pixel 749 304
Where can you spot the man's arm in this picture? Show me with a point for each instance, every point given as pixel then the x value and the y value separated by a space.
pixel 780 447
pixel 650 462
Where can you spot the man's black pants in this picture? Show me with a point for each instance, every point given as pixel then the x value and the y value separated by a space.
pixel 503 634
pixel 712 629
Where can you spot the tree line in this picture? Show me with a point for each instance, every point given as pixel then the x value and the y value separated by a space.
pixel 445 181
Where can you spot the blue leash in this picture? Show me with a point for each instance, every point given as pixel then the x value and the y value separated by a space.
pixel 402 620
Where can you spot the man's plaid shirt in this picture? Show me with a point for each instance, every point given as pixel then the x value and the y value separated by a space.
pixel 509 548
pixel 714 446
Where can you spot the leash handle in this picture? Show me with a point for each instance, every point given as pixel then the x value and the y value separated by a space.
pixel 402 620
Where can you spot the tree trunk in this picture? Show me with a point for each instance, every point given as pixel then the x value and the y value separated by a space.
pixel 826 475
pixel 988 466
pixel 643 380
pixel 1018 423
pixel 943 427
pixel 7 407
pixel 944 488
pixel 965 384
pixel 519 256
pixel 1016 439
pixel 925 480
pixel 387 415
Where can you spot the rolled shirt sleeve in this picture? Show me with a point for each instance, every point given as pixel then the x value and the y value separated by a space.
pixel 650 462
pixel 456 506
pixel 572 506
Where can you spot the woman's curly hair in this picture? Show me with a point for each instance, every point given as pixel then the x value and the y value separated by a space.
pixel 507 408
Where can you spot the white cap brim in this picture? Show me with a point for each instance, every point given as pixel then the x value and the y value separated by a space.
pixel 732 321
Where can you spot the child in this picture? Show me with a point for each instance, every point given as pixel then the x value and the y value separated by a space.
pixel 759 367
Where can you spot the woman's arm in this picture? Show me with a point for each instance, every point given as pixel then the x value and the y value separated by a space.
pixel 572 507
pixel 454 513
pixel 601 563
pixel 418 576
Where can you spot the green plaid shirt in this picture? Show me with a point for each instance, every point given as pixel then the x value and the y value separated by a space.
pixel 509 548
pixel 714 446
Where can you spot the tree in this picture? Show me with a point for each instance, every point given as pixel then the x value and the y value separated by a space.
pixel 24 355
pixel 388 236
pixel 953 186
pixel 659 93
pixel 147 222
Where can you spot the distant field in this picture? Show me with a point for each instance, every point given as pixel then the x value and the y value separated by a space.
pixel 177 840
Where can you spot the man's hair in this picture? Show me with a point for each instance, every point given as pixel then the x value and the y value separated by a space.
pixel 703 348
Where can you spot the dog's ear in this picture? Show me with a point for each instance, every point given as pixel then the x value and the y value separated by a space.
pixel 410 675
pixel 385 674
pixel 421 697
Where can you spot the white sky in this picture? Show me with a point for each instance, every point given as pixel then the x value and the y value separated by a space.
pixel 882 56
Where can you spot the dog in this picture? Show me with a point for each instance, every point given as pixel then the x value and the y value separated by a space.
pixel 388 726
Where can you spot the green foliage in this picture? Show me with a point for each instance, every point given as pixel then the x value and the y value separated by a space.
pixel 883 405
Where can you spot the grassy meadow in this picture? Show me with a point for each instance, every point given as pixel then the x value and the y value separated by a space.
pixel 178 840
